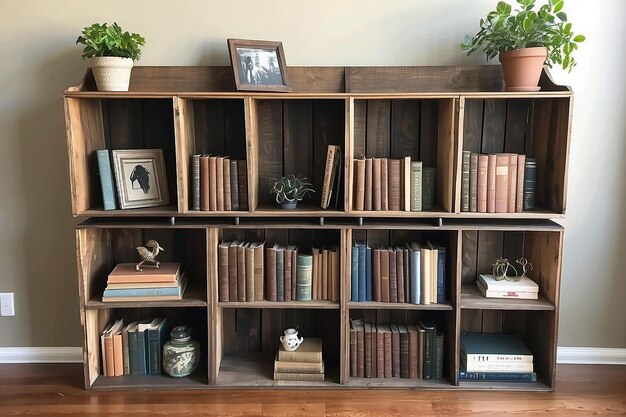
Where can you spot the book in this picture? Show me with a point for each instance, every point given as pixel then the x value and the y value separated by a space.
pixel 127 273
pixel 354 277
pixel 438 372
pixel 362 250
pixel 359 184
pixel 404 350
pixel 294 262
pixel 429 350
pixel 519 196
pixel 287 271
pixel 413 351
pixel 204 183
pixel 142 354
pixel 315 292
pixel 434 256
pixel 242 179
pixel 425 274
pixel 380 351
pixel 416 186
pixel 304 269
pixel 502 183
pixel 288 376
pixel 259 270
pixel 394 183
pixel 481 186
pixel 270 272
pixel 492 366
pixel 367 343
pixel 520 295
pixel 359 328
pixel 219 182
pixel 234 185
pixel 376 275
pixel 497 376
pixel 156 338
pixel 280 273
pixel 310 351
pixel 106 179
pixel 145 294
pixel 512 183
pixel 213 183
pixel 334 259
pixel 406 255
pixel 324 274
pixel 336 191
pixel 241 271
pixel 421 344
pixel 465 181
pixel 118 351
pixel 388 351
pixel 395 351
pixel 106 349
pixel 376 184
pixel 530 183
pixel 491 183
pixel 429 183
pixel 400 274
pixel 328 176
pixel 494 347
pixel 406 183
pixel 132 285
pixel 232 271
pixel 249 272
pixel 353 342
pixel 222 270
pixel 125 347
pixel 415 273
pixel 441 275
pixel 298 367
pixel 373 348
pixel 367 204
pixel 473 183
pixel 525 284
pixel 133 355
pixel 228 202
pixel 384 275
pixel 393 280
pixel 368 274
pixel 384 184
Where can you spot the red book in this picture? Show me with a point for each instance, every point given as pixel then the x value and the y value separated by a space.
pixel 512 182
pixel 483 161
pixel 491 183
pixel 502 182
pixel 204 183
pixel 360 347
pixel 519 197
pixel 219 182
pixel 376 276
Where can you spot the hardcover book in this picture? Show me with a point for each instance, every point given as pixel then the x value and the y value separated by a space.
pixel 353 360
pixel 226 184
pixel 106 179
pixel 525 284
pixel 384 184
pixel 310 351
pixel 259 270
pixel 465 181
pixel 280 273
pixel 222 270
pixel 213 183
pixel 376 184
pixel 241 271
pixel 359 328
pixel 304 269
pixel 519 197
pixel 242 177
pixel 520 295
pixel 359 184
pixel 234 185
pixel 429 183
pixel 219 182
pixel 368 184
pixel 232 270
pixel 249 261
pixel 270 272
pixel 481 187
pixel 502 183
pixel 416 186
pixel 361 258
pixel 491 183
pixel 494 347
pixel 354 277
pixel 127 273
pixel 204 183
pixel 473 183
pixel 512 182
pixel 367 342
pixel 530 184
pixel 393 176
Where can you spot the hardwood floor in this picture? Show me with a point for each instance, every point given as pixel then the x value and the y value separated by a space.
pixel 55 390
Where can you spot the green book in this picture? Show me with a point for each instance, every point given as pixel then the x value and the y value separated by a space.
pixel 429 177
pixel 416 186
pixel 304 269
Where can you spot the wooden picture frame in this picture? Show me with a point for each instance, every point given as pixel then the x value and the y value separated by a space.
pixel 140 178
pixel 258 65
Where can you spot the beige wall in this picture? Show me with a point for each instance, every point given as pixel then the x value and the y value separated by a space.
pixel 39 59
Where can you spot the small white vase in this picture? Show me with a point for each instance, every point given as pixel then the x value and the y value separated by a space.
pixel 112 73
pixel 290 340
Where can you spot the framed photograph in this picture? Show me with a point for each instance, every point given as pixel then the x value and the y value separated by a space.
pixel 258 65
pixel 141 178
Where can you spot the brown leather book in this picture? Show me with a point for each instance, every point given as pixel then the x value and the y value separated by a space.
pixel 368 184
pixel 519 196
pixel 360 347
pixel 473 183
pixel 234 185
pixel 376 184
pixel 270 272
pixel 407 273
pixel 491 183
pixel 421 343
pixel 259 276
pixel 465 181
pixel 384 183
pixel 380 351
pixel 325 292
pixel 394 181
pixel 222 270
pixel 316 267
pixel 406 183
pixel 242 177
pixel 376 275
pixel 335 274
pixel 219 182
pixel 481 187
pixel 213 183
pixel 400 274
pixel 204 183
pixel 384 276
pixel 287 271
pixel 395 351
pixel 226 184
pixel 359 184
pixel 374 348
pixel 249 260
pixel 353 359
pixel 241 272
pixel 512 182
pixel 412 351
pixel 393 280
pixel 232 273
pixel 502 182
pixel 368 350
pixel 388 352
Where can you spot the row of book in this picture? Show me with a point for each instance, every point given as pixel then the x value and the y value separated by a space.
pixel 134 349
pixel 393 184
pixel 396 350
pixel 498 183
pixel 495 357
pixel 413 273
pixel 218 183
pixel 125 283
pixel 250 271
pixel 303 364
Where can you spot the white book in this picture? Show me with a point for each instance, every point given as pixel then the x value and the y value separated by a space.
pixel 523 285
pixel 520 295
pixel 505 366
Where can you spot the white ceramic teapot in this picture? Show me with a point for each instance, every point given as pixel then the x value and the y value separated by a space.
pixel 290 340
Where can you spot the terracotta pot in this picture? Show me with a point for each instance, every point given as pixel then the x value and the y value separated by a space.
pixel 111 73
pixel 522 68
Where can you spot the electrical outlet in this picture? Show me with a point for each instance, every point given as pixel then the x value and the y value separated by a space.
pixel 6 304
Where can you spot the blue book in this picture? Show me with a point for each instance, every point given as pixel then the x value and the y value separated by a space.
pixel 362 271
pixel 133 358
pixel 174 292
pixel 106 179
pixel 141 364
pixel 155 339
pixel 441 274
pixel 414 272
pixel 354 278
pixel 368 274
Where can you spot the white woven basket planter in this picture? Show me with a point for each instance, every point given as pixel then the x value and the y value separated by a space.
pixel 111 73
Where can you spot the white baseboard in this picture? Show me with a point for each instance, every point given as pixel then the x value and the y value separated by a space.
pixel 41 355
pixel 565 355
pixel 591 356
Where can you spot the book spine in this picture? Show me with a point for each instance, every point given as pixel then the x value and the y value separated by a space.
pixel 367 342
pixel 361 255
pixel 353 348
pixel 415 270
pixel 126 352
pixel 498 376
pixel 133 354
pixel 530 183
pixel 393 176
pixel 384 184
pixel 497 366
pixel 393 279
pixel 234 185
pixel 106 179
pixel 493 357
pixel 359 184
pixel 324 274
pixel 491 183
pixel 259 274
pixel 222 278
pixel 465 181
pixel 395 351
pixel 429 350
pixel 438 374
pixel 294 268
pixel 367 205
pixel 154 353
pixel 213 183
pixel 425 275
pixel 118 355
pixel 380 352
pixel 407 275
pixel 413 353
pixel 368 274
pixel 241 273
pixel 287 275
pixel 473 183
pixel 295 368
pixel 232 272
pixel 304 269
pixel 388 353
pixel 481 187
pixel 315 291
pixel 335 182
pixel 400 275
pixel 249 254
pixel 406 183
pixel 376 184
pixel 228 202
pixel 512 183
pixel 142 292
pixel 429 178
pixel 360 352
pixel 270 274
pixel 219 182
pixel 376 281
pixel 142 358
pixel 384 275
pixel 280 275
pixel 404 354
pixel 334 256
pixel 441 275
pixel 416 186
pixel 519 197
pixel 354 281
pixel 327 174
pixel 242 177
pixel 502 183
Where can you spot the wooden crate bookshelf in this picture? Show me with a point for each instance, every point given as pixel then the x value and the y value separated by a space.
pixel 432 114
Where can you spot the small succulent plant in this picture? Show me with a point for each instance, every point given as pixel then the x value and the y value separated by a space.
pixel 291 188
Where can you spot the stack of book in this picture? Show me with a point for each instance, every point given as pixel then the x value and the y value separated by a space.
pixel 498 183
pixel 332 177
pixel 393 184
pixel 303 364
pixel 165 283
pixel 325 274
pixel 134 349
pixel 218 183
pixel 411 273
pixel 495 357
pixel 525 288
pixel 396 350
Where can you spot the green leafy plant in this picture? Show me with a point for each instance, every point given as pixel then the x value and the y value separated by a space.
pixel 506 29
pixel 291 188
pixel 103 40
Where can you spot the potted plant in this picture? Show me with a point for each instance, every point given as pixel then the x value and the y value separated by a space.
pixel 111 54
pixel 290 189
pixel 526 38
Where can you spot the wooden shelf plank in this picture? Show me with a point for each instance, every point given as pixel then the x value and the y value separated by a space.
pixel 197 380
pixel 375 305
pixel 471 298
pixel 398 383
pixel 163 211
pixel 191 298
pixel 313 304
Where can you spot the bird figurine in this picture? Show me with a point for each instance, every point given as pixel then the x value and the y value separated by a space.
pixel 149 255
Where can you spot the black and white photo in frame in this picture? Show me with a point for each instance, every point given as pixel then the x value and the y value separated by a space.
pixel 258 65
pixel 140 178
